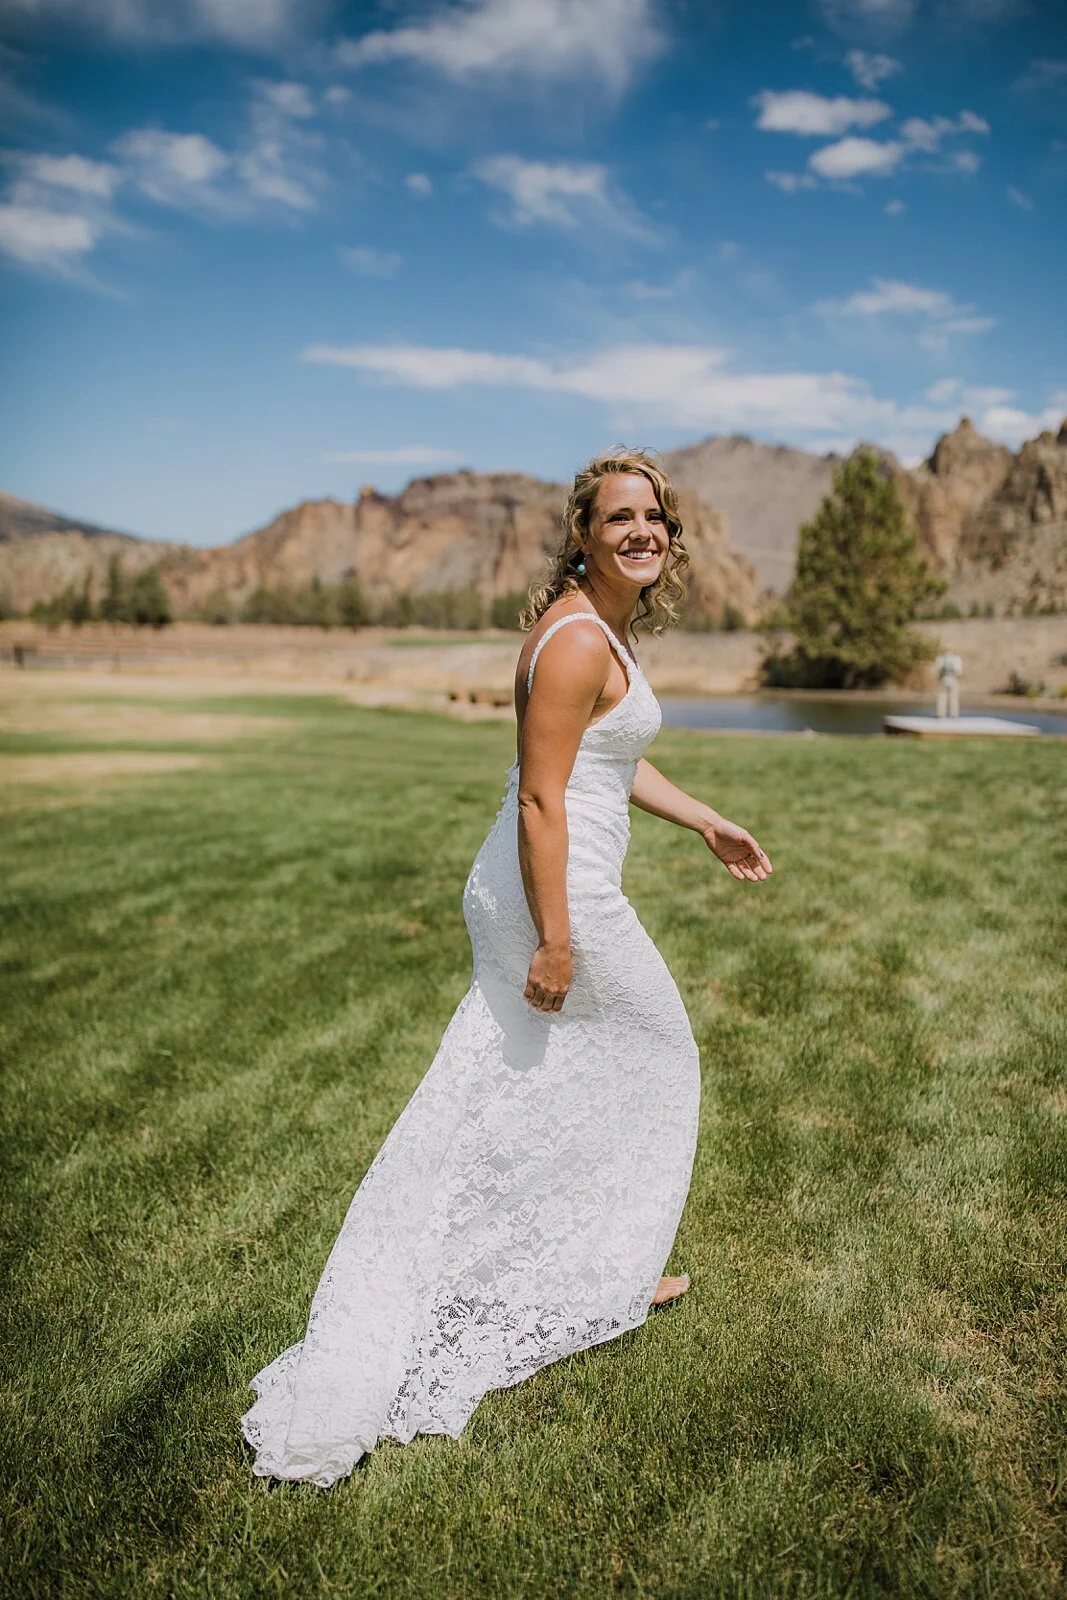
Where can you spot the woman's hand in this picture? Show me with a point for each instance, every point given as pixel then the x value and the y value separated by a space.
pixel 551 971
pixel 737 850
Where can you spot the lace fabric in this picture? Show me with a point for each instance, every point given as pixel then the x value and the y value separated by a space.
pixel 525 1202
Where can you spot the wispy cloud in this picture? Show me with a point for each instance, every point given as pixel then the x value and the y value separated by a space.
pixel 929 133
pixel 939 314
pixel 1019 199
pixel 854 157
pixel 251 23
pixel 797 111
pixel 870 68
pixel 561 194
pixel 791 182
pixel 370 262
pixel 878 17
pixel 173 169
pixel 75 173
pixel 547 40
pixel 1043 74
pixel 39 237
pixel 699 388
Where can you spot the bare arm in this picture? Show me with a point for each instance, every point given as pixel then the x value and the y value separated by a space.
pixel 734 846
pixel 571 673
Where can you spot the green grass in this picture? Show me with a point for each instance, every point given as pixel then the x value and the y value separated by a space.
pixel 221 985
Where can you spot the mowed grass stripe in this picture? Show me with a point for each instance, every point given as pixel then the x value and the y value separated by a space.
pixel 221 986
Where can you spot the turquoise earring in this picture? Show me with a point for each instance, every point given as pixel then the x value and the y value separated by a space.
pixel 580 569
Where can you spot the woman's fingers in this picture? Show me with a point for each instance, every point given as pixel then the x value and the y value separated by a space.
pixel 542 999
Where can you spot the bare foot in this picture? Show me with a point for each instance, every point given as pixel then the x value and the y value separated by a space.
pixel 670 1289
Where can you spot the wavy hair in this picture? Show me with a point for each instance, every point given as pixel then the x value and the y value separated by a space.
pixel 658 606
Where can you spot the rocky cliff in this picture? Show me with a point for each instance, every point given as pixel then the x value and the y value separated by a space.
pixel 456 531
pixel 994 523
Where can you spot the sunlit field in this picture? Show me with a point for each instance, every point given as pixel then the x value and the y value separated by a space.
pixel 231 940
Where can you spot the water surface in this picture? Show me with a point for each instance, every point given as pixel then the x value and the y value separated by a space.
pixel 796 713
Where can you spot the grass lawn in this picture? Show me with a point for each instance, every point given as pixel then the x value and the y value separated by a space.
pixel 221 983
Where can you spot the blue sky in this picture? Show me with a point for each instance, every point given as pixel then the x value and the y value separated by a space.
pixel 254 251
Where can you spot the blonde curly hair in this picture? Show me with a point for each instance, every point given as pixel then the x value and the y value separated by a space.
pixel 658 606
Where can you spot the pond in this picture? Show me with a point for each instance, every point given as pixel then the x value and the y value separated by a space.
pixel 794 713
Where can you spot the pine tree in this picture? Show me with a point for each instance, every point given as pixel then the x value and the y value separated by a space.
pixel 113 604
pixel 149 603
pixel 859 581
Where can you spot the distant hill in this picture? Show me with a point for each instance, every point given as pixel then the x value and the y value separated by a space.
pixel 20 518
pixel 765 492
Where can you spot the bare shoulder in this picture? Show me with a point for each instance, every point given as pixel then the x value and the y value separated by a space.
pixel 578 651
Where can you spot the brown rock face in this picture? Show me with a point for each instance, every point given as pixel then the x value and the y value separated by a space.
pixel 764 492
pixel 995 523
pixel 456 531
pixel 961 474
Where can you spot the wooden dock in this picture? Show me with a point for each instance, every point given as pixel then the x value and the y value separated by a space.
pixel 956 727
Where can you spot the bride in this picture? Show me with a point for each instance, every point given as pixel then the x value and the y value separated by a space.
pixel 525 1203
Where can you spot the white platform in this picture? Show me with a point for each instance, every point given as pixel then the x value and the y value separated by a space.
pixel 949 727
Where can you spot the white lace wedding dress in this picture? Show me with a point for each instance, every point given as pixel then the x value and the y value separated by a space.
pixel 525 1202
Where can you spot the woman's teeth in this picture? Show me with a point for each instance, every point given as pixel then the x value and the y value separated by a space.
pixel 638 555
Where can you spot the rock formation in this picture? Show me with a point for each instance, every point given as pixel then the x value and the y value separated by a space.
pixel 994 523
pixel 489 533
pixel 765 492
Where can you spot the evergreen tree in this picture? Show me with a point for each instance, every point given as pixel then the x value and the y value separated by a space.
pixel 148 602
pixel 114 604
pixel 859 582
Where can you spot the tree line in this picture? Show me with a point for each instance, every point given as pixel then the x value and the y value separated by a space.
pixel 141 599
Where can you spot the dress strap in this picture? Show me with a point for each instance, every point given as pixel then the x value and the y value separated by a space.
pixel 579 616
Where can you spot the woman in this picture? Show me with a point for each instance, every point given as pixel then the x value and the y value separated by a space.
pixel 524 1205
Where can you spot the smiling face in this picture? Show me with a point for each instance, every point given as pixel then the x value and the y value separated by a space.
pixel 628 535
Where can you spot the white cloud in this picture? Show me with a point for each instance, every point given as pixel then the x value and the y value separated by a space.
pixel 190 172
pixel 927 133
pixel 419 185
pixel 40 237
pixel 971 397
pixel 288 99
pixel 337 95
pixel 797 111
pixel 267 173
pixel 868 16
pixel 1019 199
pixel 172 168
pixel 404 455
pixel 680 386
pixel 790 182
pixel 562 194
pixel 1013 426
pixel 942 316
pixel 889 295
pixel 1042 75
pixel 371 263
pixel 871 68
pixel 894 208
pixel 535 39
pixel 853 157
pixel 255 23
pixel 96 179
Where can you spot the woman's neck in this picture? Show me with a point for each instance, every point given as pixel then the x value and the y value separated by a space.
pixel 616 610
